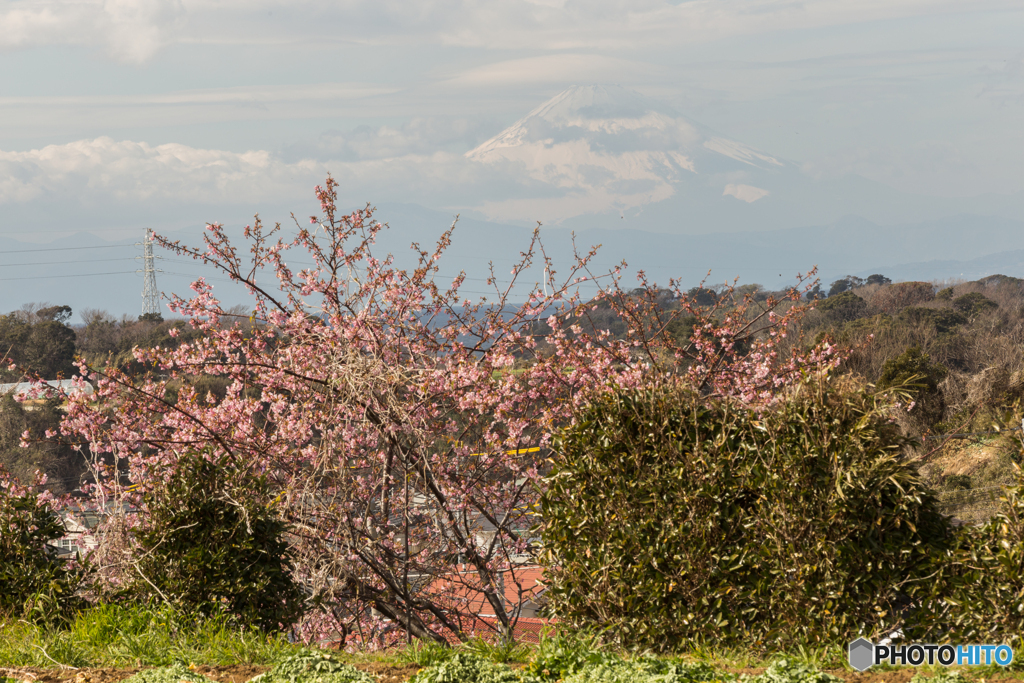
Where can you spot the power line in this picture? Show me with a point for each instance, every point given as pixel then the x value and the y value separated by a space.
pixel 105 246
pixel 51 277
pixel 59 263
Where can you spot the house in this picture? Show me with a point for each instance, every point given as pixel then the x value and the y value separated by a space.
pixel 77 537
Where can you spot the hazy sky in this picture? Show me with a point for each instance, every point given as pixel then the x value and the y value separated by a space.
pixel 114 111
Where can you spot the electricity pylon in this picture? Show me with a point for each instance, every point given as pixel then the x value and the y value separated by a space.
pixel 150 296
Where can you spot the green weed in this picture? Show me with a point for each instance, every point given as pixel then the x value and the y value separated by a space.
pixel 176 673
pixel 137 635
pixel 791 670
pixel 503 651
pixel 312 667
pixel 560 655
pixel 425 653
pixel 467 667
pixel 943 676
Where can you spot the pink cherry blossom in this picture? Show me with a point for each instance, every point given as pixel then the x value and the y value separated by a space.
pixel 404 426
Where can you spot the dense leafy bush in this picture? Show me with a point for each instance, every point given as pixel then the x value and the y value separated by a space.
pixel 32 578
pixel 213 545
pixel 913 371
pixel 669 518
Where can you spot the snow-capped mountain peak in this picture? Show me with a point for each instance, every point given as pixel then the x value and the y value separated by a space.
pixel 609 148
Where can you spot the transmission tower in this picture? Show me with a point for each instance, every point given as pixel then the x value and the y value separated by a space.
pixel 150 296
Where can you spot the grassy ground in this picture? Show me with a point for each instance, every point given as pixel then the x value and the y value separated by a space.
pixel 109 643
pixel 115 636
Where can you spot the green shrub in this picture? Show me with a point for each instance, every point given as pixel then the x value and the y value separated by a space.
pixel 914 372
pixel 843 307
pixel 845 284
pixel 672 519
pixel 912 368
pixel 467 667
pixel 212 545
pixel 974 304
pixel 943 320
pixel 33 580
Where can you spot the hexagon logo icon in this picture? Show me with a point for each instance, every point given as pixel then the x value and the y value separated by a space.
pixel 862 654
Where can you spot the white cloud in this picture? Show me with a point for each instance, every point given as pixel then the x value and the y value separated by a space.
pixel 108 175
pixel 103 169
pixel 420 136
pixel 557 68
pixel 134 30
pixel 259 95
pixel 744 193
pixel 129 30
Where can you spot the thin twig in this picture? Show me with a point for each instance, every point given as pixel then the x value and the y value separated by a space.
pixel 62 666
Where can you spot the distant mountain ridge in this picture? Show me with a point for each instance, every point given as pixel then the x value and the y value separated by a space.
pixel 1009 263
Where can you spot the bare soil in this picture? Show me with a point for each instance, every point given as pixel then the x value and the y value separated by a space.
pixel 237 673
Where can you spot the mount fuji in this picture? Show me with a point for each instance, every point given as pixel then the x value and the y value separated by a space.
pixel 603 156
pixel 608 149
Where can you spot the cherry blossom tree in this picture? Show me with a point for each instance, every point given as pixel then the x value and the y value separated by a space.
pixel 403 425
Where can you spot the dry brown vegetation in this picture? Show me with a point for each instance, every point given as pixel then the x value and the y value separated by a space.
pixel 960 342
